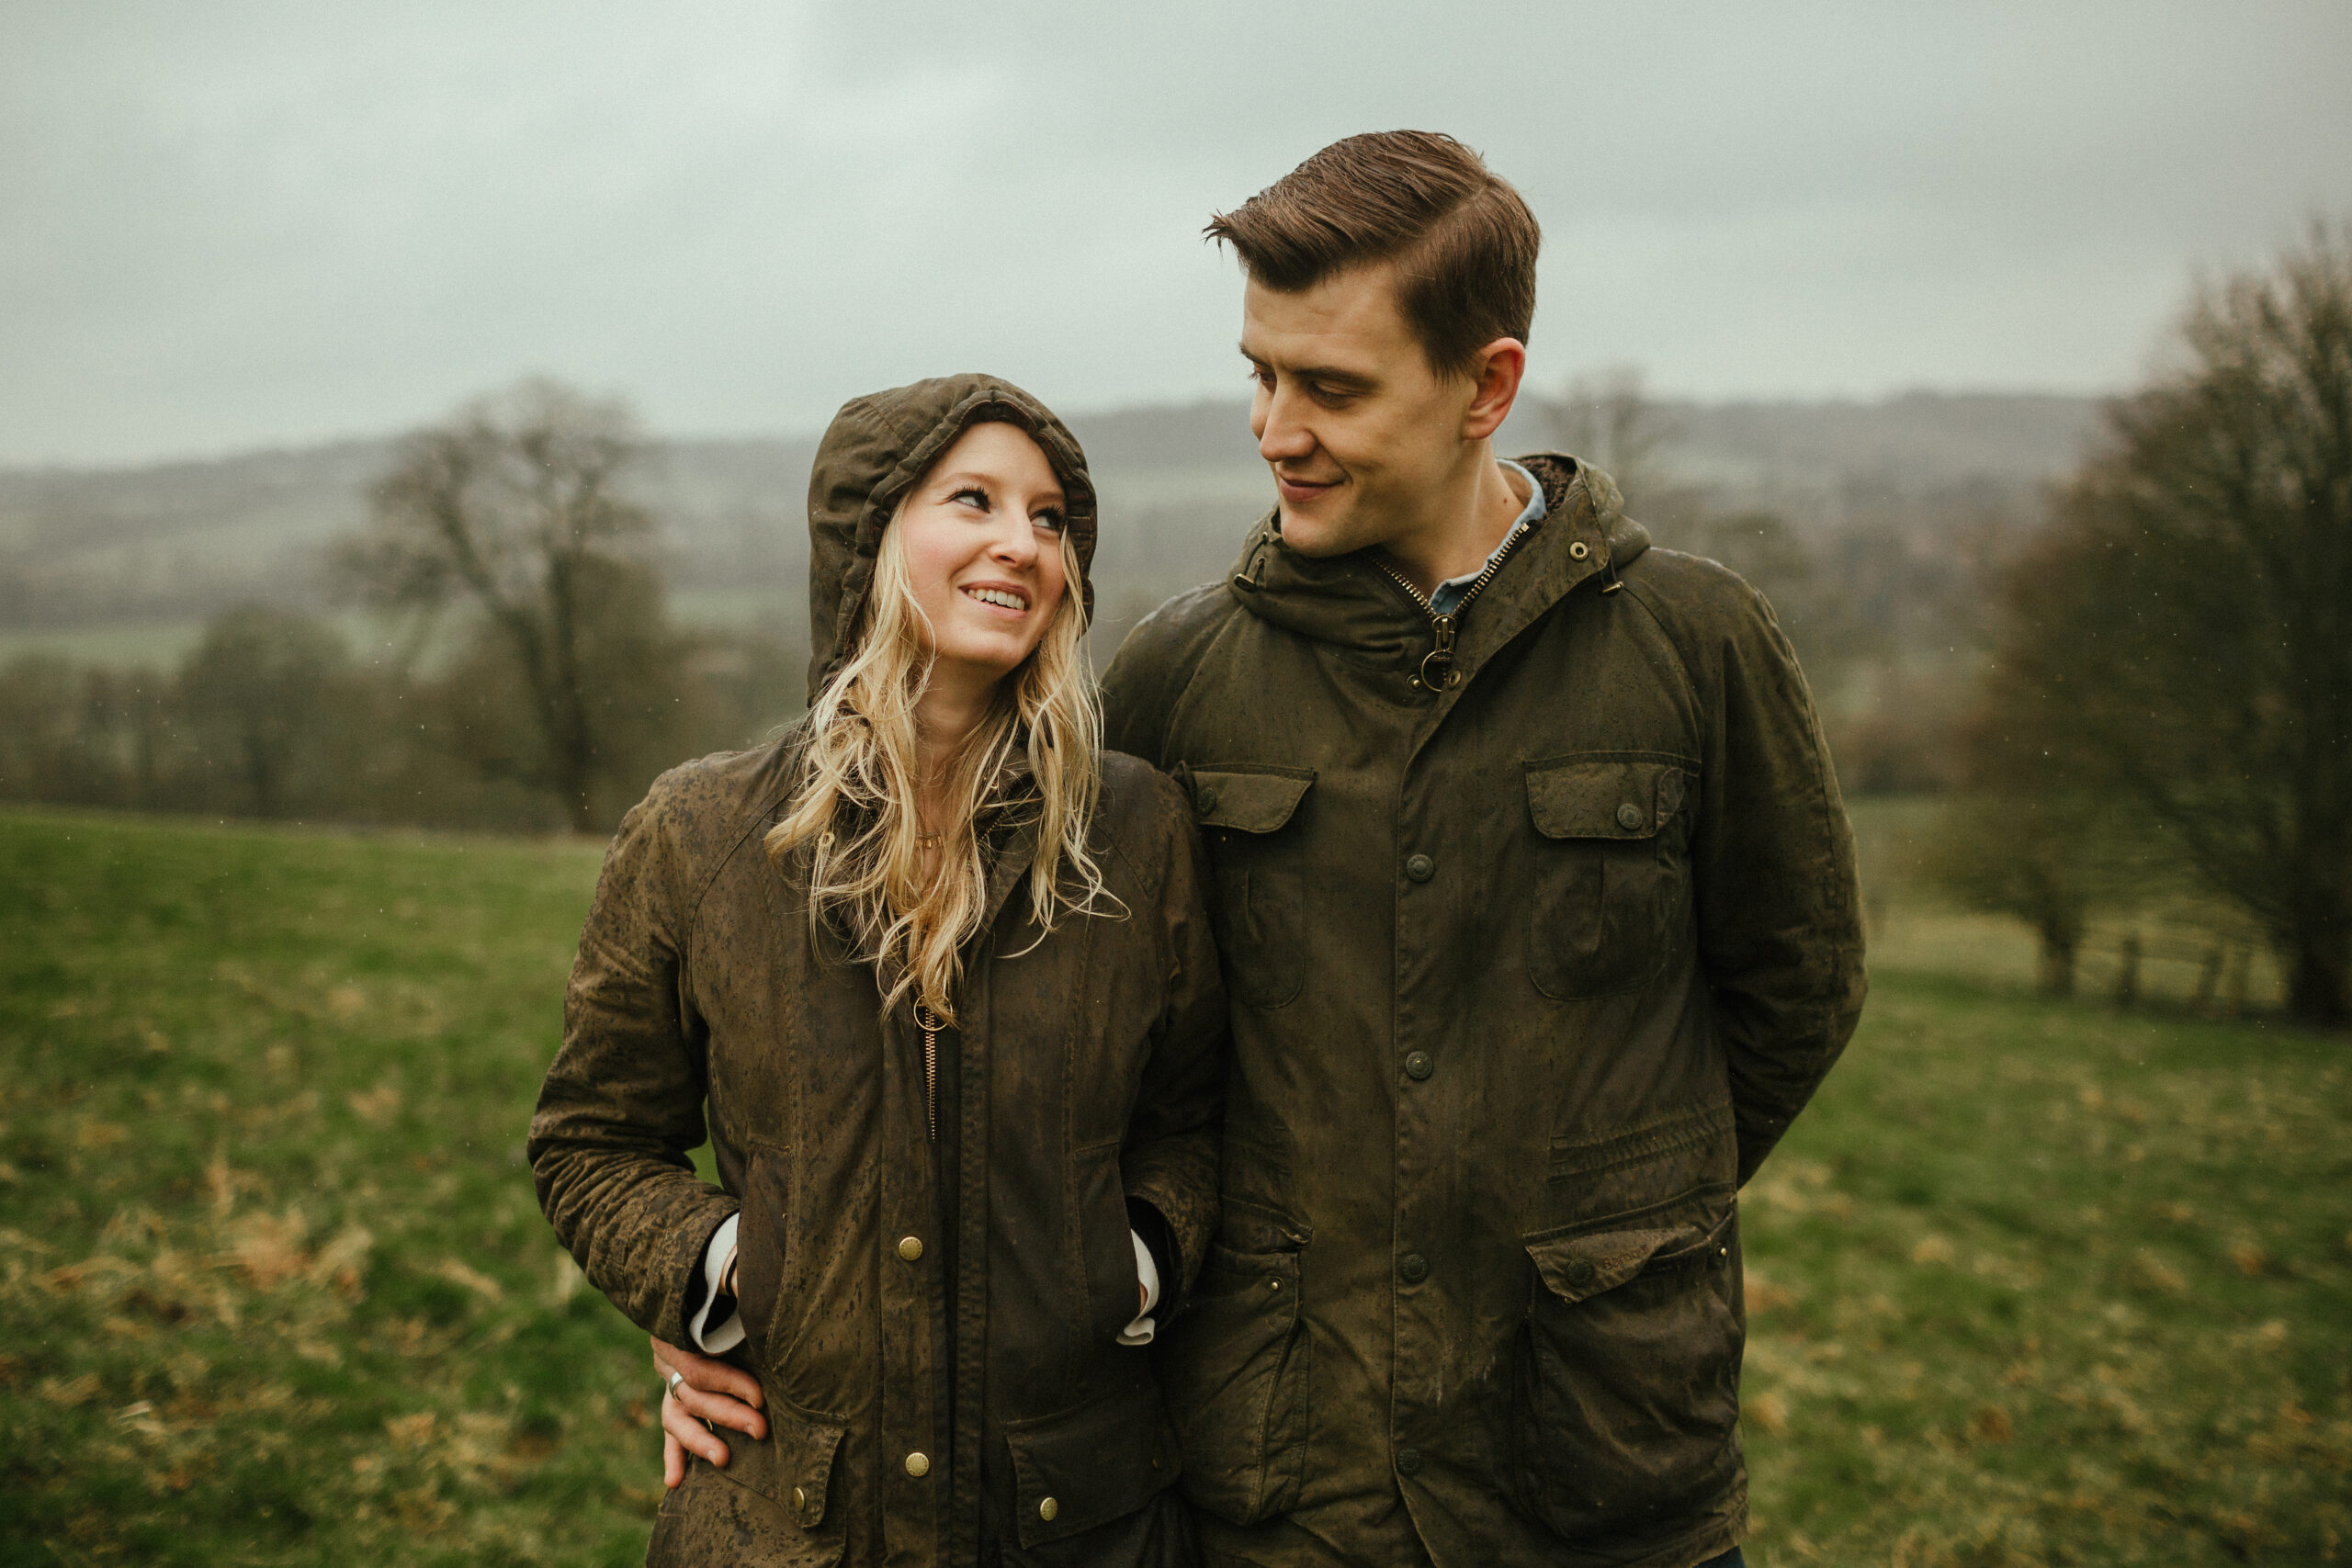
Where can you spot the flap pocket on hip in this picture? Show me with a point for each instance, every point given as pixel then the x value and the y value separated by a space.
pixel 793 1468
pixel 1624 1402
pixel 1085 1467
pixel 1577 1268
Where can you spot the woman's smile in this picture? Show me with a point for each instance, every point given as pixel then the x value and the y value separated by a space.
pixel 999 596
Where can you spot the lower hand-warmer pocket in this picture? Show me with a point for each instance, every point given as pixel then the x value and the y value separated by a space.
pixel 1082 1468
pixel 1624 1404
pixel 1234 1368
pixel 775 1493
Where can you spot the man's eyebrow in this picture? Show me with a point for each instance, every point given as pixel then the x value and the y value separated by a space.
pixel 1326 375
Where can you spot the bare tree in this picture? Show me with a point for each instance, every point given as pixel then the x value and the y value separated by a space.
pixel 516 504
pixel 2183 636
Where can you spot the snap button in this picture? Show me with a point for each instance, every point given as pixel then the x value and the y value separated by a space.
pixel 1420 868
pixel 917 1465
pixel 1419 1066
pixel 1047 1508
pixel 1408 1462
pixel 1630 816
pixel 800 1498
pixel 1413 1269
pixel 1205 797
pixel 911 1248
pixel 1581 1272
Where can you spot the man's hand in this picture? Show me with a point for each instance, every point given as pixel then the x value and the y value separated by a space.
pixel 712 1392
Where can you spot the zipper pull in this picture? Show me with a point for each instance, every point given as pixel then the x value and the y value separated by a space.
pixel 1438 674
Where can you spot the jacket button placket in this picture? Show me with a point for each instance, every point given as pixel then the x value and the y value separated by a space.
pixel 1426 898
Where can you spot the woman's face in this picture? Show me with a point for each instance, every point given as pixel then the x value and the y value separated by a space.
pixel 982 533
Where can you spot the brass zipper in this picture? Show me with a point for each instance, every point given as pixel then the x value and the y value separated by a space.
pixel 932 1023
pixel 1436 672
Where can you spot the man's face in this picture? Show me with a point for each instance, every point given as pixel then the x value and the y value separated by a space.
pixel 1362 435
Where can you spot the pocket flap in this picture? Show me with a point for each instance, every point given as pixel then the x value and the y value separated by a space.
pixel 1085 1467
pixel 1576 1267
pixel 792 1468
pixel 1254 802
pixel 1609 798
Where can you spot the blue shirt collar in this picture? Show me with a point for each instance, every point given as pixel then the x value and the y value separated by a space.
pixel 1448 596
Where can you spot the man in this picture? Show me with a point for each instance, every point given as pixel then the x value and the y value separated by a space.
pixel 1537 914
pixel 1539 918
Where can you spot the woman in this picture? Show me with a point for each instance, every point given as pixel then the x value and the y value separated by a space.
pixel 941 970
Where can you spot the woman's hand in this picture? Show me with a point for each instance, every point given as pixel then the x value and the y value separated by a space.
pixel 708 1391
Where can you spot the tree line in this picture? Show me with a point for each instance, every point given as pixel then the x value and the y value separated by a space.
pixel 505 543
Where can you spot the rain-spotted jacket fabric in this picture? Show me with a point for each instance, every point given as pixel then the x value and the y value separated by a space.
pixel 1091 1069
pixel 1529 971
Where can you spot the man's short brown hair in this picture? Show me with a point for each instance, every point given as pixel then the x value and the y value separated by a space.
pixel 1462 241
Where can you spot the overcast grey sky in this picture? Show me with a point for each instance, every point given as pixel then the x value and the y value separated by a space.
pixel 231 225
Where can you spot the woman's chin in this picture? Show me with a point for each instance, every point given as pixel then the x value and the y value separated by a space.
pixel 980 661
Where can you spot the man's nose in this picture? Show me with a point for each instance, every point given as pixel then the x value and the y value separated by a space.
pixel 1284 437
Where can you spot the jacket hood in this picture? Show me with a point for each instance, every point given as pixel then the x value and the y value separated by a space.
pixel 1349 601
pixel 877 448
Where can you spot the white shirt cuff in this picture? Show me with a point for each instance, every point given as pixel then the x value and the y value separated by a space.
pixel 1140 1331
pixel 716 1338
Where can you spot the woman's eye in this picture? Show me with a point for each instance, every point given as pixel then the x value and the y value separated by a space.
pixel 973 496
pixel 1049 519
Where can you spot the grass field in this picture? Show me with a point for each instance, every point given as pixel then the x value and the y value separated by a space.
pixel 2029 1284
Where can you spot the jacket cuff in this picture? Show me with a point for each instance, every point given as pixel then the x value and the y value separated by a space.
pixel 691 1247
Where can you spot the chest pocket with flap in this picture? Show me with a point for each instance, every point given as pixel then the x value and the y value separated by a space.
pixel 1260 909
pixel 1605 872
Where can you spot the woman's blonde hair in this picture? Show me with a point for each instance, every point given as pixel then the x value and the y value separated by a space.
pixel 1033 757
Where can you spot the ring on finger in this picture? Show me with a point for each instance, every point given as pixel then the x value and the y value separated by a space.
pixel 676 1379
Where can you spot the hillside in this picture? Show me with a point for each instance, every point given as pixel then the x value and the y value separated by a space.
pixel 176 542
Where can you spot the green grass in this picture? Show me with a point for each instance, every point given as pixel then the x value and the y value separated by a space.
pixel 272 1287
pixel 2029 1283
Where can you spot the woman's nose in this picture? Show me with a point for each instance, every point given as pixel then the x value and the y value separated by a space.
pixel 1016 543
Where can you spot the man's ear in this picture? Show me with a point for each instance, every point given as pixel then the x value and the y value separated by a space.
pixel 1496 371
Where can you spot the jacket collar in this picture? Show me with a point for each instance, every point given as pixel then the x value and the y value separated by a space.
pixel 1350 604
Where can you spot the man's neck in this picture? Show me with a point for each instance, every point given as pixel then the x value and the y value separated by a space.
pixel 1466 524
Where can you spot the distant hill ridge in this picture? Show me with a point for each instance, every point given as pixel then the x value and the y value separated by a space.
pixel 181 539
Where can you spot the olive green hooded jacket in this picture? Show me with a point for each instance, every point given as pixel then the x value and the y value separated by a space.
pixel 1534 953
pixel 1090 1066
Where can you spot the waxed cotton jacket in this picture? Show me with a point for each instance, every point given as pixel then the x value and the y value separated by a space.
pixel 1534 952
pixel 1089 1064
